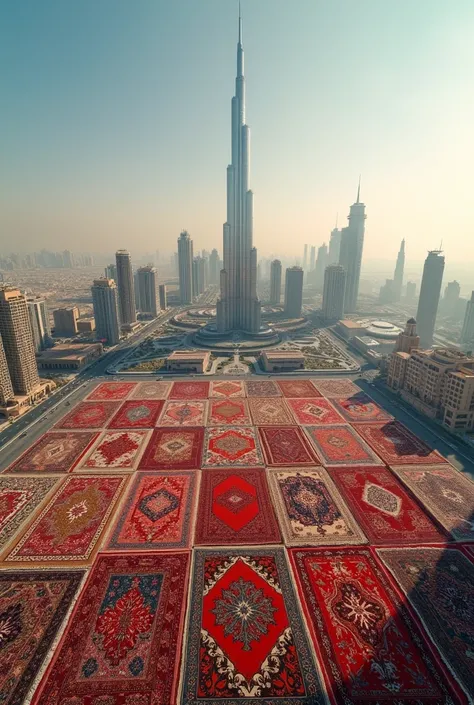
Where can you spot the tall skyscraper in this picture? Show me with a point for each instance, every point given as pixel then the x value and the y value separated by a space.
pixel 321 263
pixel 163 297
pixel 398 275
pixel 333 292
pixel 294 292
pixel 111 272
pixel 312 259
pixel 65 321
pixel 17 337
pixel 39 321
pixel 6 388
pixel 199 275
pixel 214 267
pixel 411 291
pixel 105 303
pixel 334 245
pixel 275 282
pixel 125 286
pixel 305 259
pixel 429 297
pixel 148 290
pixel 467 333
pixel 451 298
pixel 185 265
pixel 238 307
pixel 350 255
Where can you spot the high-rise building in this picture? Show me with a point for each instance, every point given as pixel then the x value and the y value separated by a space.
pixel 238 307
pixel 214 267
pixel 6 388
pixel 350 255
pixel 68 259
pixel 105 303
pixel 185 260
pixel 398 275
pixel 110 272
pixel 39 321
pixel 125 286
pixel 387 292
pixel 275 282
pixel 467 332
pixel 294 292
pixel 411 291
pixel 17 337
pixel 451 298
pixel 65 321
pixel 321 263
pixel 163 297
pixel 199 275
pixel 305 259
pixel 148 290
pixel 333 292
pixel 334 245
pixel 312 259
pixel 429 297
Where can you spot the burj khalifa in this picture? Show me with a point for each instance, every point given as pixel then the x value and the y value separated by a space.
pixel 238 307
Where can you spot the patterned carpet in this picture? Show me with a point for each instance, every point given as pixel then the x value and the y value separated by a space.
pixel 261 542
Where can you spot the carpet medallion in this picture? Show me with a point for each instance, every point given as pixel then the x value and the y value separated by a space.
pixel 19 498
pixel 111 391
pixel 264 388
pixel 184 413
pixel 119 450
pixel 446 494
pixel 228 412
pixel 336 387
pixel 227 389
pixel 33 605
pixel 70 526
pixel 370 647
pixel 157 513
pixel 122 644
pixel 314 411
pixel 235 508
pixel 302 388
pixel 311 510
pixel 89 414
pixel 383 508
pixel 173 449
pixel 360 407
pixel 138 414
pixel 340 445
pixel 246 640
pixel 54 452
pixel 151 390
pixel 286 446
pixel 439 584
pixel 396 445
pixel 189 390
pixel 267 411
pixel 235 446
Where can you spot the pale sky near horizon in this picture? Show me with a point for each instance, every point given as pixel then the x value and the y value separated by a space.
pixel 116 122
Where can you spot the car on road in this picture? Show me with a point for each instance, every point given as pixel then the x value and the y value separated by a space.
pixel 22 435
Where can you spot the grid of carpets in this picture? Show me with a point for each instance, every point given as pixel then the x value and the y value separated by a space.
pixel 360 407
pixel 268 411
pixel 189 390
pixel 340 445
pixel 19 498
pixel 54 453
pixel 228 412
pixel 89 415
pixel 314 411
pixel 137 414
pixel 184 413
pixel 227 389
pixel 303 388
pixel 235 509
pixel 173 449
pixel 286 446
pixel 111 391
pixel 119 450
pixel 397 445
pixel 231 445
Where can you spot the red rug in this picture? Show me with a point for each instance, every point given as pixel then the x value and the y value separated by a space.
pixel 340 445
pixel 286 446
pixel 228 412
pixel 231 446
pixel 262 388
pixel 71 524
pixel 89 415
pixel 157 513
pixel 138 414
pixel 246 640
pixel 184 413
pixel 267 411
pixel 227 389
pixel 117 450
pixel 189 390
pixel 111 391
pixel 54 452
pixel 151 390
pixel 123 642
pixel 383 509
pixel 235 508
pixel 33 605
pixel 19 499
pixel 396 445
pixel 303 388
pixel 336 387
pixel 173 449
pixel 314 411
pixel 360 407
pixel 370 647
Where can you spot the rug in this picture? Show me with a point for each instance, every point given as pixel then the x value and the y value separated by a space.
pixel 246 639
pixel 235 509
pixel 119 450
pixel 122 645
pixel 302 388
pixel 157 513
pixel 54 452
pixel 111 391
pixel 89 414
pixel 368 643
pixel 446 493
pixel 228 412
pixel 310 509
pixel 189 390
pixel 173 449
pixel 19 499
pixel 396 445
pixel 383 508
pixel 231 446
pixel 184 413
pixel 138 414
pixel 314 411
pixel 33 605
pixel 439 584
pixel 340 445
pixel 360 407
pixel 226 389
pixel 286 446
pixel 70 526
pixel 267 411
pixel 151 390
pixel 336 387
pixel 264 388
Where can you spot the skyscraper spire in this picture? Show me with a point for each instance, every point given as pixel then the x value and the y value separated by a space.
pixel 240 26
pixel 358 192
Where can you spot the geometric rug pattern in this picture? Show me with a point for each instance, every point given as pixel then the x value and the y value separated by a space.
pixel 340 445
pixel 302 388
pixel 137 414
pixel 184 413
pixel 360 407
pixel 89 415
pixel 19 498
pixel 286 446
pixel 231 412
pixel 270 412
pixel 54 452
pixel 397 445
pixel 231 445
pixel 314 411
pixel 173 449
pixel 115 449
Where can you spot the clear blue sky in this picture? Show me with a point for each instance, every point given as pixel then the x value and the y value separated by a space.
pixel 116 122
